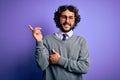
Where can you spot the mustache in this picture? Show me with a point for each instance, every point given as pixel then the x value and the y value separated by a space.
pixel 66 24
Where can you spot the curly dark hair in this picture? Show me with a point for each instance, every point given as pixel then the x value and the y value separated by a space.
pixel 61 9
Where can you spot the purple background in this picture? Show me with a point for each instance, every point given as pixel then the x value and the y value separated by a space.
pixel 100 25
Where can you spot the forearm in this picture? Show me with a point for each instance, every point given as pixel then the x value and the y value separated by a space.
pixel 42 55
pixel 80 66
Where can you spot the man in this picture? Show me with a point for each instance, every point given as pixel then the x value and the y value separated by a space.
pixel 62 55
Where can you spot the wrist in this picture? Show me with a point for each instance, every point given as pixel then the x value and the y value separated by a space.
pixel 38 40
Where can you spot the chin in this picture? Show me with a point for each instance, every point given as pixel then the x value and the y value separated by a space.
pixel 65 30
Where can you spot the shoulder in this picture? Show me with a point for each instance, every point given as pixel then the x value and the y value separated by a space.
pixel 81 38
pixel 49 37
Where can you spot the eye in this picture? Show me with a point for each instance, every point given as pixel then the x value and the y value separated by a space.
pixel 67 17
pixel 71 17
pixel 63 17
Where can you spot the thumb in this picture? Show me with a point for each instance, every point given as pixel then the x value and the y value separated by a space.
pixel 53 50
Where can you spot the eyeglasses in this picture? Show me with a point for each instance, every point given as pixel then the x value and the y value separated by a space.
pixel 64 17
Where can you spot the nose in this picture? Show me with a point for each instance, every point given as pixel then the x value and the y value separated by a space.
pixel 67 19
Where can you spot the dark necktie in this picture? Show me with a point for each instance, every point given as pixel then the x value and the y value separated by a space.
pixel 64 36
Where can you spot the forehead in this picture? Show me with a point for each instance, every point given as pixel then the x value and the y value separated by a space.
pixel 67 13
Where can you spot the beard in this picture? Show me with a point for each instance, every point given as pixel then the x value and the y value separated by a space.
pixel 63 30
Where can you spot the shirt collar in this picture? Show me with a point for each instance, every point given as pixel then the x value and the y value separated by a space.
pixel 59 34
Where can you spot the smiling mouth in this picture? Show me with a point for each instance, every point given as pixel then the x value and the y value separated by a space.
pixel 66 24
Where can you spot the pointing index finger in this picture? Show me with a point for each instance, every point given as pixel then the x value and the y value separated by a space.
pixel 31 28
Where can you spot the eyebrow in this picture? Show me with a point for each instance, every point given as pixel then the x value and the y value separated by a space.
pixel 68 16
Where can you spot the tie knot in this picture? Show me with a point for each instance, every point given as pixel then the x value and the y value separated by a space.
pixel 64 36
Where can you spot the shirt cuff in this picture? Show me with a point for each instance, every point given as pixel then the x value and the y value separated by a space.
pixel 39 44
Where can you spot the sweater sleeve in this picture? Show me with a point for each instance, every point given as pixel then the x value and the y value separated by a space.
pixel 80 65
pixel 42 55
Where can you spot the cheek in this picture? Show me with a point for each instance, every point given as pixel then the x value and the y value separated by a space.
pixel 73 22
pixel 61 21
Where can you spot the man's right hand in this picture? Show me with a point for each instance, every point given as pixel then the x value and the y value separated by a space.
pixel 36 32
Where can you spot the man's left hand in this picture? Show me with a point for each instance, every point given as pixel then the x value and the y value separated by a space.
pixel 54 57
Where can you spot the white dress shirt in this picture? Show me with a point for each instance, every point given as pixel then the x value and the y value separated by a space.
pixel 60 34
